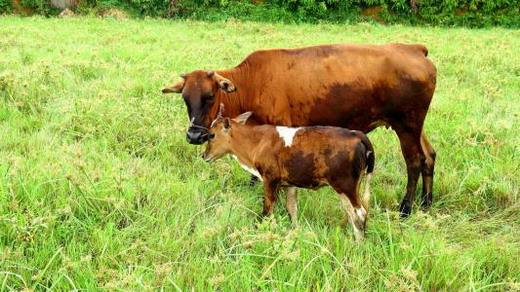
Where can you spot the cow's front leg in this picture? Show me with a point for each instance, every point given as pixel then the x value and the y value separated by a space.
pixel 270 195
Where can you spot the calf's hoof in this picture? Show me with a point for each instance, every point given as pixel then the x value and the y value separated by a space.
pixel 344 222
pixel 405 210
pixel 359 240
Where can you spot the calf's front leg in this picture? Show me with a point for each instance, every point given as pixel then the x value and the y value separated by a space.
pixel 270 196
pixel 292 205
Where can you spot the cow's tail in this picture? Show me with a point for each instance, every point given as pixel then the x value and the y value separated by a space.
pixel 370 160
pixel 422 48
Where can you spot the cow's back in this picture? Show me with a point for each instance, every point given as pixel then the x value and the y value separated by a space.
pixel 347 85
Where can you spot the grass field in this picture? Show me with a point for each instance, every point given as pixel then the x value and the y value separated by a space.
pixel 99 189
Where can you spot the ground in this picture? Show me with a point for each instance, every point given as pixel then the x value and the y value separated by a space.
pixel 100 190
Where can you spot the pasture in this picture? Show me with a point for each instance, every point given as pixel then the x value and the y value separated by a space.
pixel 100 190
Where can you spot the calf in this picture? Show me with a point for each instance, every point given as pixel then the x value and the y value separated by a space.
pixel 306 157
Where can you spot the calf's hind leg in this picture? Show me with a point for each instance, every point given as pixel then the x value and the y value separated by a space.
pixel 348 193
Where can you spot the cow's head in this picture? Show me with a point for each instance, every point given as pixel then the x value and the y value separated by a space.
pixel 199 89
pixel 219 136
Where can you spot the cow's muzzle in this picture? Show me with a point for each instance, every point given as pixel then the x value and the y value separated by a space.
pixel 196 136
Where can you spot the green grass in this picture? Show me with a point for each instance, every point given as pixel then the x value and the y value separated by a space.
pixel 99 189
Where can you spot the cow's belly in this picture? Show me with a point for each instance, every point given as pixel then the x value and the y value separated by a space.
pixel 360 123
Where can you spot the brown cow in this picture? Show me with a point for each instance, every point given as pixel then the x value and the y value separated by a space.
pixel 353 86
pixel 305 157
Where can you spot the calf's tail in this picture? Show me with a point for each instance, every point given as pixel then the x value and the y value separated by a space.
pixel 370 157
pixel 370 160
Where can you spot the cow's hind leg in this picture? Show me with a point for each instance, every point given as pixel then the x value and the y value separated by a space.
pixel 427 171
pixel 410 139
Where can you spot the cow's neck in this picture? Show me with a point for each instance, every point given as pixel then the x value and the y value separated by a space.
pixel 239 101
pixel 249 97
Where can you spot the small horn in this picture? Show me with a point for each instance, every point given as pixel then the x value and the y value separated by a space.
pixel 220 109
pixel 210 73
pixel 183 75
pixel 219 115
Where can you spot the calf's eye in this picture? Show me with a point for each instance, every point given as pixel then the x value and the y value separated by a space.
pixel 211 136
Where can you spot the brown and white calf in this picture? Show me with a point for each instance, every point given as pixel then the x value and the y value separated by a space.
pixel 305 157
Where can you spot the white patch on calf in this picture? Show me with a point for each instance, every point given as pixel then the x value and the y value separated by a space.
pixel 248 169
pixel 287 134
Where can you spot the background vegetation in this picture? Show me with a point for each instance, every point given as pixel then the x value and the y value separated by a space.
pixel 474 13
pixel 99 190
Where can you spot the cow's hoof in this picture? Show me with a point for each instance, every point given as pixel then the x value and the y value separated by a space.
pixel 426 204
pixel 253 181
pixel 405 210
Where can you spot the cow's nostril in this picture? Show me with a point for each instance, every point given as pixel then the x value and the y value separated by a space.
pixel 193 135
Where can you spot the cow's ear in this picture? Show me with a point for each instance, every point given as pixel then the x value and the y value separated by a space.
pixel 224 83
pixel 242 119
pixel 174 88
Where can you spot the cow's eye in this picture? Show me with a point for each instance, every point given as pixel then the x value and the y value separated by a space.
pixel 207 100
pixel 211 136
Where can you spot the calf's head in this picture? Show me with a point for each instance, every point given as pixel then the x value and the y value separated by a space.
pixel 220 135
pixel 198 90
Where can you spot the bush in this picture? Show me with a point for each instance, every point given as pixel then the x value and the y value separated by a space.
pixel 472 13
pixel 5 6
pixel 42 7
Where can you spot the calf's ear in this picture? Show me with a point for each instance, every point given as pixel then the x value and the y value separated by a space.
pixel 242 119
pixel 226 124
pixel 174 88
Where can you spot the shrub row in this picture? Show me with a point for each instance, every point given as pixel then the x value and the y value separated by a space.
pixel 471 13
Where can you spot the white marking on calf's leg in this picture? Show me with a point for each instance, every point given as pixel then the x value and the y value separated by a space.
pixel 360 221
pixel 356 217
pixel 366 195
pixel 361 213
pixel 287 134
pixel 292 204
